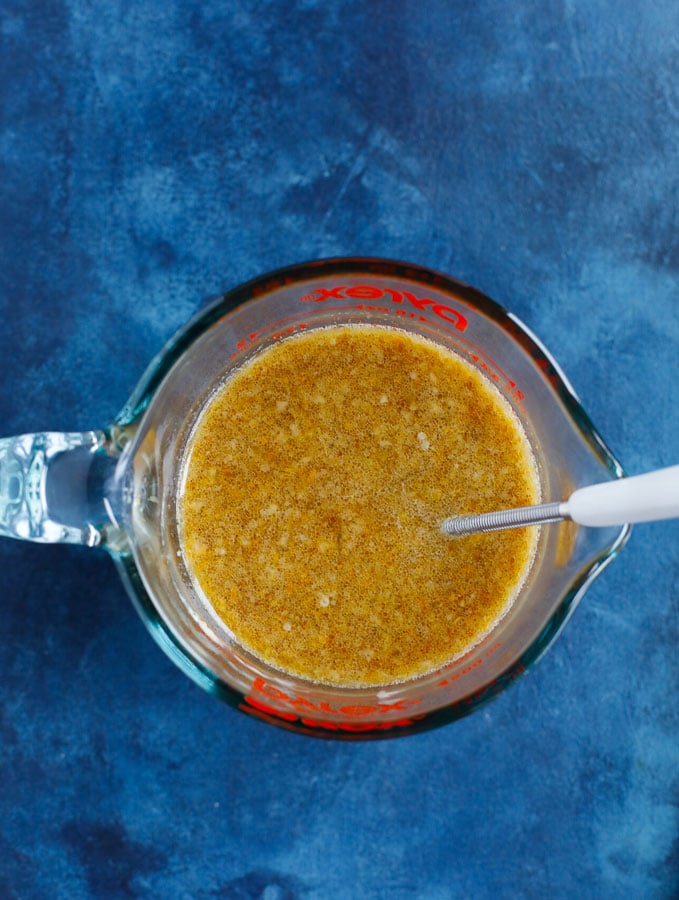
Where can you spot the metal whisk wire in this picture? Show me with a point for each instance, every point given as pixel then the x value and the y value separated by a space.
pixel 642 498
pixel 506 518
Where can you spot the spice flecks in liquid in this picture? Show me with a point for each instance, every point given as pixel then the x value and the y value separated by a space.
pixel 315 483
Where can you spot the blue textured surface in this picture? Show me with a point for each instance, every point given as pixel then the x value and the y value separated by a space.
pixel 154 154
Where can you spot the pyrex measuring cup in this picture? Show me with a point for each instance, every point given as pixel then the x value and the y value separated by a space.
pixel 117 488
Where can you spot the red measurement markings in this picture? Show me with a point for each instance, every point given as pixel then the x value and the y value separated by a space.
pixel 496 374
pixel 454 676
pixel 253 336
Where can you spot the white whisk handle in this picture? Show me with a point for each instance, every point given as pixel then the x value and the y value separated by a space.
pixel 642 498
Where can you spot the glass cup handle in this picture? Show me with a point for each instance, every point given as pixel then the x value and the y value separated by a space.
pixel 53 486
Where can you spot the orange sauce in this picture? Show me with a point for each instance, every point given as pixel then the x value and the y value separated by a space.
pixel 313 490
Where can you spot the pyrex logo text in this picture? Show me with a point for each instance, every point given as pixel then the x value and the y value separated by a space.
pixel 404 298
pixel 304 711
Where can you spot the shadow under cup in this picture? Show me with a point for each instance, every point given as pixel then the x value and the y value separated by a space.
pixel 160 418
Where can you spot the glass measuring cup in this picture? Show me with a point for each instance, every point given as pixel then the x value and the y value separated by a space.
pixel 117 488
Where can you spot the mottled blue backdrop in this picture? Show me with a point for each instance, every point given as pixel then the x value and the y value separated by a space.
pixel 156 153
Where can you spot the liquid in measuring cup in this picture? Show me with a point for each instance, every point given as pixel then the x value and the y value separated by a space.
pixel 312 491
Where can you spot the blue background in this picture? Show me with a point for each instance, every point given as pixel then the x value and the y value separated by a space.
pixel 157 153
